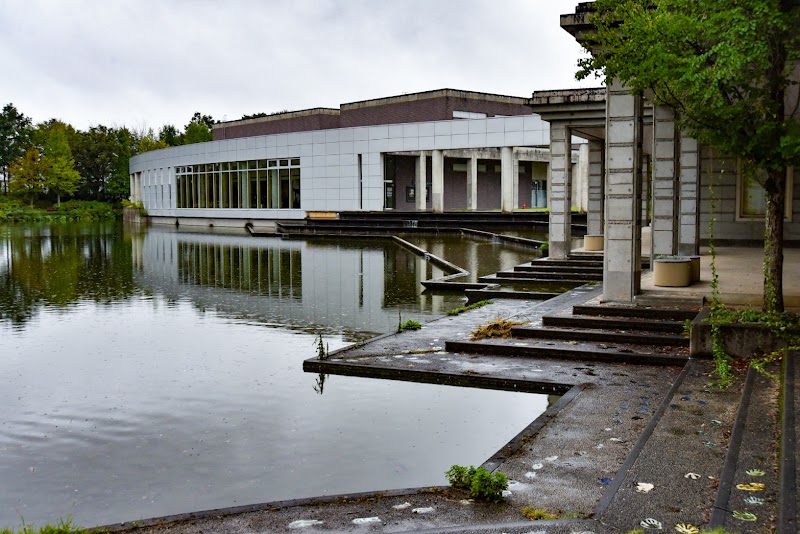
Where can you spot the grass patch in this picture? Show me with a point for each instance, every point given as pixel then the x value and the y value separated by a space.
pixel 495 328
pixel 473 306
pixel 536 514
pixel 62 527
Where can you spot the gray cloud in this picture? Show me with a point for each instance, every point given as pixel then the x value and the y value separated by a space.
pixel 143 62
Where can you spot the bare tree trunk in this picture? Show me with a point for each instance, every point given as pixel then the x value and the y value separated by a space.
pixel 775 188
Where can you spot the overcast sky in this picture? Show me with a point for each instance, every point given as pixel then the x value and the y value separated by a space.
pixel 144 63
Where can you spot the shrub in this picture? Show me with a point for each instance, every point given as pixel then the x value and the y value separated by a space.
pixel 481 483
pixel 409 325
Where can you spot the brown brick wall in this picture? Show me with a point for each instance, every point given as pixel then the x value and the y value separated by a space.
pixel 291 124
pixel 429 109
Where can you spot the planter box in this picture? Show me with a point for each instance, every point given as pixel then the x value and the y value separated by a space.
pixel 739 340
pixel 672 272
pixel 322 215
pixel 593 242
pixel 133 216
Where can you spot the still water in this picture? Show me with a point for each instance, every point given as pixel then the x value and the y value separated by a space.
pixel 159 372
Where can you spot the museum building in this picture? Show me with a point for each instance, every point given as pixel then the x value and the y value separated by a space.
pixel 443 150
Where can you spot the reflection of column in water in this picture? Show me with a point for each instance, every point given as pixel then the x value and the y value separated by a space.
pixel 471 258
pixel 420 275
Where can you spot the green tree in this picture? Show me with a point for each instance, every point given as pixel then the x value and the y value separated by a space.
pixel 27 174
pixel 61 177
pixel 96 159
pixel 169 135
pixel 15 134
pixel 148 141
pixel 198 130
pixel 730 70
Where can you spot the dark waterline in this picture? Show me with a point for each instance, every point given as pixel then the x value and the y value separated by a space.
pixel 151 373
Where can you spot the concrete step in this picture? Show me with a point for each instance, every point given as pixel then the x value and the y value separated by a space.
pixel 674 327
pixel 474 295
pixel 599 336
pixel 495 279
pixel 552 275
pixel 508 349
pixel 755 431
pixel 636 311
pixel 542 267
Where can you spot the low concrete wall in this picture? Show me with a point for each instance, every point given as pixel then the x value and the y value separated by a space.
pixel 133 216
pixel 739 340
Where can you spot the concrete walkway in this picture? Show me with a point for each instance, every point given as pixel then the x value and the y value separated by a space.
pixel 741 279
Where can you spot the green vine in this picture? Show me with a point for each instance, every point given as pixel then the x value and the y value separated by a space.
pixel 722 360
pixel 783 326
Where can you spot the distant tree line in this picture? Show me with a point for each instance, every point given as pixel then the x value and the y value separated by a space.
pixel 54 160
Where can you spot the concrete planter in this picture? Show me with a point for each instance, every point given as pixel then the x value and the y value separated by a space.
pixel 675 272
pixel 593 242
pixel 739 340
pixel 695 267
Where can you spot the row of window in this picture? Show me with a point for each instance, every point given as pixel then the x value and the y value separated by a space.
pixel 256 184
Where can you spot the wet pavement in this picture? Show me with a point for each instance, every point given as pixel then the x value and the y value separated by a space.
pixel 627 446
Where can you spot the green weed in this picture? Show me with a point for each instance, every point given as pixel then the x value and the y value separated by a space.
pixel 480 483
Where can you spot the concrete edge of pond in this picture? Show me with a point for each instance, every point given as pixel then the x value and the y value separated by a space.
pixel 257 507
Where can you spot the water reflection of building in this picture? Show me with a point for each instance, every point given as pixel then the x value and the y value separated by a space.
pixel 348 286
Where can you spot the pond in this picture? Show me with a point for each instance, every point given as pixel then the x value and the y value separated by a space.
pixel 158 372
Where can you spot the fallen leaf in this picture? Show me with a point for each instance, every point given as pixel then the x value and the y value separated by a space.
pixel 644 487
pixel 752 486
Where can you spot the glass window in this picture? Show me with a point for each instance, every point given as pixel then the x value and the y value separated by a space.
pixel 263 189
pixel 273 163
pixel 274 189
pixel 225 186
pixel 235 190
pixel 284 163
pixel 752 202
pixel 284 175
pixel 262 164
pixel 295 185
pixel 296 162
pixel 253 189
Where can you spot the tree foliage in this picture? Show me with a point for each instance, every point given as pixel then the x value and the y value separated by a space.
pixel 15 136
pixel 28 174
pixel 730 70
pixel 61 177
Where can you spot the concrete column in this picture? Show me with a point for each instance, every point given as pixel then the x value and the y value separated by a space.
pixel 645 189
pixel 622 264
pixel 689 229
pixel 132 180
pixel 507 179
pixel 580 179
pixel 666 157
pixel 437 182
pixel 421 180
pixel 560 190
pixel 472 183
pixel 595 209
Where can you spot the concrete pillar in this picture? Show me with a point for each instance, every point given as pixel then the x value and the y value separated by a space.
pixel 689 229
pixel 580 179
pixel 472 183
pixel 622 264
pixel 132 180
pixel 560 190
pixel 421 180
pixel 645 189
pixel 507 182
pixel 437 182
pixel 666 156
pixel 595 209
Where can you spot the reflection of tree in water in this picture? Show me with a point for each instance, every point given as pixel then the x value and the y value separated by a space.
pixel 58 265
pixel 319 386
